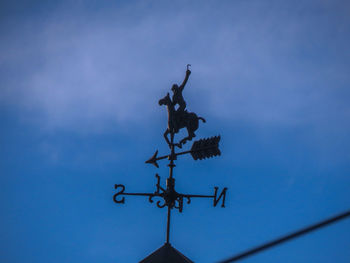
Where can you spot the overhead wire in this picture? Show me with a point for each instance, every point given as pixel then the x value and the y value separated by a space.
pixel 287 237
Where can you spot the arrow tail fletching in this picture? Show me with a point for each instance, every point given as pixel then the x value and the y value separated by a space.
pixel 206 148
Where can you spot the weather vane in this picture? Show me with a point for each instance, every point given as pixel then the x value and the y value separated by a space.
pixel 178 118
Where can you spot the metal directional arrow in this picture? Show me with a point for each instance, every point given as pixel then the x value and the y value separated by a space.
pixel 204 148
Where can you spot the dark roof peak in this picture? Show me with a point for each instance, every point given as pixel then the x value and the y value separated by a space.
pixel 166 254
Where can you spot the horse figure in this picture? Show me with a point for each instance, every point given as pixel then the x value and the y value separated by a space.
pixel 178 120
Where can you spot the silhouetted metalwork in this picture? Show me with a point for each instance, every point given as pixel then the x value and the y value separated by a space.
pixel 179 118
pixel 204 148
pixel 286 238
pixel 167 196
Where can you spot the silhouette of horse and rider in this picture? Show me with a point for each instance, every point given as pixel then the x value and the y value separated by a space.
pixel 179 118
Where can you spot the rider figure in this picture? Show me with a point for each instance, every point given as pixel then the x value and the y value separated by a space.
pixel 178 98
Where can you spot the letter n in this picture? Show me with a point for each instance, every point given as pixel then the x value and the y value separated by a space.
pixel 121 201
pixel 222 195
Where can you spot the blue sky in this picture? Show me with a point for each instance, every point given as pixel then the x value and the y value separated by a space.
pixel 79 86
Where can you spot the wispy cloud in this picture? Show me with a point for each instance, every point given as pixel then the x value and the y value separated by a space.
pixel 251 65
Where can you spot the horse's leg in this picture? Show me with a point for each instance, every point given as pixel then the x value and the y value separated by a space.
pixel 191 134
pixel 189 137
pixel 193 126
pixel 190 126
pixel 166 136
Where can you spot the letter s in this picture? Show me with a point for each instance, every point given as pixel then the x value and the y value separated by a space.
pixel 121 201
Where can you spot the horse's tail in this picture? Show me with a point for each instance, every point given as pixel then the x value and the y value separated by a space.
pixel 202 119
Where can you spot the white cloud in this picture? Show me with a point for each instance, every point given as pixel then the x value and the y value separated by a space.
pixel 78 72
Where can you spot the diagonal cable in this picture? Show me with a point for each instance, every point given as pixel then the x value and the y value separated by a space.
pixel 286 238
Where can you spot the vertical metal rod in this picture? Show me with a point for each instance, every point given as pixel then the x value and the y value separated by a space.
pixel 168 226
pixel 171 167
pixel 172 155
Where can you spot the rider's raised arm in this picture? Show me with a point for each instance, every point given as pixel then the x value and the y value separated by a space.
pixel 188 73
